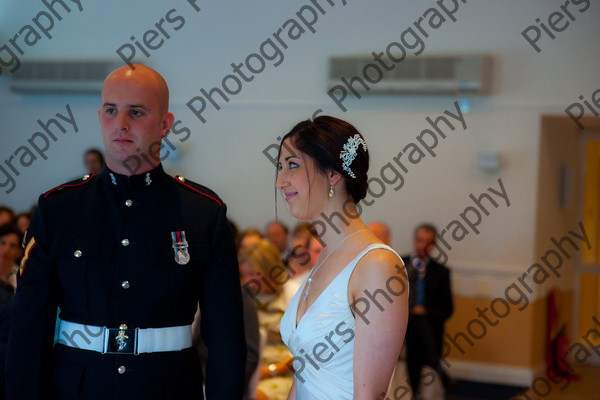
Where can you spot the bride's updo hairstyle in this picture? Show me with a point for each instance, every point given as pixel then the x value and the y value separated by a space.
pixel 323 140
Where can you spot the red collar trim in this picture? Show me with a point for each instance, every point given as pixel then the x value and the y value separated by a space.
pixel 198 191
pixel 69 185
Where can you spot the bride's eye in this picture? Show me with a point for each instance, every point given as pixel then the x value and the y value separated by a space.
pixel 292 164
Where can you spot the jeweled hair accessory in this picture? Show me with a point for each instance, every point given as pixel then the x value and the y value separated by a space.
pixel 349 153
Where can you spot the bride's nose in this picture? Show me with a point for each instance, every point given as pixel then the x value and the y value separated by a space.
pixel 281 183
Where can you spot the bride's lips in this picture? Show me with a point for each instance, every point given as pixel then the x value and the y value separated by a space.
pixel 288 196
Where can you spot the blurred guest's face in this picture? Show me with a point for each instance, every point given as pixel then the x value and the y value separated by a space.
pixel 301 238
pixel 249 240
pixel 423 241
pixel 299 251
pixel 93 163
pixel 23 223
pixel 277 236
pixel 9 248
pixel 247 273
pixel 314 249
pixel 381 231
pixel 4 218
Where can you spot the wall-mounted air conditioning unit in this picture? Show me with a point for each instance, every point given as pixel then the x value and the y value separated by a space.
pixel 432 75
pixel 67 76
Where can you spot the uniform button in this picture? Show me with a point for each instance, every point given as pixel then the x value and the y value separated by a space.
pixel 128 203
pixel 78 253
pixel 181 178
pixel 122 369
pixel 125 242
pixel 85 177
pixel 123 326
pixel 125 284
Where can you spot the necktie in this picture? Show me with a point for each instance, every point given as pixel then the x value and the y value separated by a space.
pixel 418 263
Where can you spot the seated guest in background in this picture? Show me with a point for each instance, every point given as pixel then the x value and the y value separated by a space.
pixel 7 216
pixel 430 303
pixel 249 236
pixel 93 161
pixel 6 298
pixel 277 234
pixel 22 222
pixel 298 252
pixel 314 249
pixel 382 231
pixel 306 248
pixel 256 261
pixel 10 252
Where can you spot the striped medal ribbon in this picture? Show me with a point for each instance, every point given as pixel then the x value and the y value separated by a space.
pixel 180 247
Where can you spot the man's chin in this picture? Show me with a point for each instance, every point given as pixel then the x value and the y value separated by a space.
pixel 126 162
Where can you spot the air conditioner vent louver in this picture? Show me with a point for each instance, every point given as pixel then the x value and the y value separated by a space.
pixel 61 76
pixel 441 68
pixel 448 74
pixel 409 69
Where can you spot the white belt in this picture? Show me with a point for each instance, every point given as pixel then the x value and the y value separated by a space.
pixel 124 340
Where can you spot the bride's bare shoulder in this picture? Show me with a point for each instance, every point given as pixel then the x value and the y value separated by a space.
pixel 376 267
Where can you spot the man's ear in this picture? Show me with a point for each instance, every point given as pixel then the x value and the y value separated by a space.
pixel 167 123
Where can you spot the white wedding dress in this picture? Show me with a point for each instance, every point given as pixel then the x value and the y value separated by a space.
pixel 323 342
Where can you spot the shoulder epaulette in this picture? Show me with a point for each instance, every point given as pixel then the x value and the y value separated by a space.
pixel 189 184
pixel 78 182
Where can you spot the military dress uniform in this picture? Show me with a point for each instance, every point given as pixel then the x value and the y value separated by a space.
pixel 127 260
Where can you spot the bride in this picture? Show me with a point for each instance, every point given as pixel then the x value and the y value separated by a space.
pixel 345 326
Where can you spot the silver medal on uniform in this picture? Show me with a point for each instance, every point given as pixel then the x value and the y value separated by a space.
pixel 180 247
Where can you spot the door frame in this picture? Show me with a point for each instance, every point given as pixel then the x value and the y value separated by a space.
pixel 586 136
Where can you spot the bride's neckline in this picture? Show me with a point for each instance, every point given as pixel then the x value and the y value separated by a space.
pixel 299 302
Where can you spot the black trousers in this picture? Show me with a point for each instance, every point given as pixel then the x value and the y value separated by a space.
pixel 420 349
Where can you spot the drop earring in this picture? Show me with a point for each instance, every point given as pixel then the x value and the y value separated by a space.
pixel 331 193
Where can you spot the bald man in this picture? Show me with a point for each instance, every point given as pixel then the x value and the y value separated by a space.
pixel 127 256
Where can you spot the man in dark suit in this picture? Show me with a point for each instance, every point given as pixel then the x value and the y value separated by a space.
pixel 128 255
pixel 430 301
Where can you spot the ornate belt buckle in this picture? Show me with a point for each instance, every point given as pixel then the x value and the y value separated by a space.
pixel 120 340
